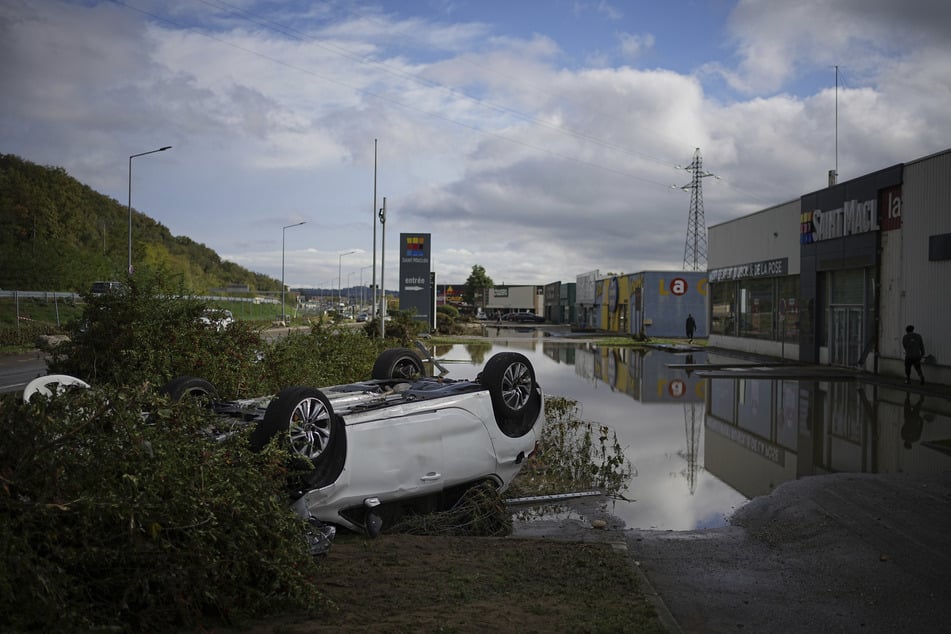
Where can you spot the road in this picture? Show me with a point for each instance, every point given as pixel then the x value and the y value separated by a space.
pixel 19 369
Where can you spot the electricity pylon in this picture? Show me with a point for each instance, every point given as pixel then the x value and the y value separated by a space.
pixel 695 249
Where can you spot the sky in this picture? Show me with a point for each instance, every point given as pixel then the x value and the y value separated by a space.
pixel 539 139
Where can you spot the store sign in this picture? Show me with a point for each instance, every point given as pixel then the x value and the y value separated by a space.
pixel 766 268
pixel 890 206
pixel 852 218
pixel 416 291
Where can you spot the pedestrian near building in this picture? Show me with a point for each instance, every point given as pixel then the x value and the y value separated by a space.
pixel 914 347
pixel 691 327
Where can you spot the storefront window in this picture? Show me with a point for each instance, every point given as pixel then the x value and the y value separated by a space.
pixel 723 303
pixel 756 309
pixel 789 308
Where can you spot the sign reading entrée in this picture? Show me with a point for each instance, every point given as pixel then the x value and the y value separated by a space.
pixel 416 293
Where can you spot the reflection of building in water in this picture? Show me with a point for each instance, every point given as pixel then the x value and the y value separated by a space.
pixel 645 375
pixel 693 415
pixel 762 432
pixel 560 353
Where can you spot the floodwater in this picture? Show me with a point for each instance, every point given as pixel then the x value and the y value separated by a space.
pixel 702 447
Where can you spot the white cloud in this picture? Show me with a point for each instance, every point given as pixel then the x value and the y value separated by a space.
pixel 535 171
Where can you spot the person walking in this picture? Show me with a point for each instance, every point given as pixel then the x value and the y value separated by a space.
pixel 691 327
pixel 914 347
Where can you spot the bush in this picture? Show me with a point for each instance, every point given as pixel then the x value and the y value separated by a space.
pixel 573 455
pixel 322 356
pixel 107 521
pixel 151 332
pixel 401 329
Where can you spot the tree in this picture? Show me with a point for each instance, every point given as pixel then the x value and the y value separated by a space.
pixel 476 286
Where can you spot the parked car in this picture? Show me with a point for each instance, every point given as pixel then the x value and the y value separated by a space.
pixel 372 450
pixel 528 318
pixel 101 288
pixel 217 318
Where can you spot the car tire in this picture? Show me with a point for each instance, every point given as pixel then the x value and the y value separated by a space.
pixel 190 387
pixel 516 400
pixel 398 363
pixel 304 419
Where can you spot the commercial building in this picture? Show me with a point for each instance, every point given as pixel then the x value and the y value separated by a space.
pixel 835 276
pixel 650 303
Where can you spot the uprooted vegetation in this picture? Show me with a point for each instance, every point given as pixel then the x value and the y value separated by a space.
pixel 118 511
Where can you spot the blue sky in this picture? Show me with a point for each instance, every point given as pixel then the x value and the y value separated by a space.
pixel 538 139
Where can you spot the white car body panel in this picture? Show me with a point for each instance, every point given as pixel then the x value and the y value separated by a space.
pixel 393 453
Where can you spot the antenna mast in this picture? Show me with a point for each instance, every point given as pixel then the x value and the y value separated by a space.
pixel 695 249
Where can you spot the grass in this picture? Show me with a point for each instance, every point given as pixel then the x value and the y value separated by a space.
pixel 410 583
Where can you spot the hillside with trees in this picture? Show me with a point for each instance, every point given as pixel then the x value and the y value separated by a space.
pixel 57 234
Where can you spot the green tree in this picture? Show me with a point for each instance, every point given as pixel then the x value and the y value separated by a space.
pixel 476 286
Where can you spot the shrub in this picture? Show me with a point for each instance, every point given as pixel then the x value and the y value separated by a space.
pixel 322 356
pixel 573 455
pixel 109 521
pixel 151 332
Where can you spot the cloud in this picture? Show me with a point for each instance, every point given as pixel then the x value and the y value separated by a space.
pixel 633 46
pixel 488 140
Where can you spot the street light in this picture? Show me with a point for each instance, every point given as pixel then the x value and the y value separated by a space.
pixel 362 295
pixel 161 149
pixel 283 236
pixel 339 281
pixel 349 286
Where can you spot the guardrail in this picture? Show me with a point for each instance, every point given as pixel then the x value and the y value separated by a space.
pixel 45 295
pixel 51 295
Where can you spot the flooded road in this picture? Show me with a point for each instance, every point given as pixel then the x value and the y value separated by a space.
pixel 702 447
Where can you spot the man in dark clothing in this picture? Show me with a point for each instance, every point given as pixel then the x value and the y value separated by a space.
pixel 691 327
pixel 914 347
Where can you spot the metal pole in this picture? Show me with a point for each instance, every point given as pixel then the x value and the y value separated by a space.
pixel 373 212
pixel 382 265
pixel 161 149
pixel 363 300
pixel 283 240
pixel 340 280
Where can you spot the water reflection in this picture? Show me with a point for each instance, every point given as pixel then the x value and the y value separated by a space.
pixel 701 447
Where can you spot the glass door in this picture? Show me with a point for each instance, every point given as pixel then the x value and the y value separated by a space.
pixel 845 345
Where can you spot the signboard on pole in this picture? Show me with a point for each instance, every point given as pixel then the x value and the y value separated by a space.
pixel 416 290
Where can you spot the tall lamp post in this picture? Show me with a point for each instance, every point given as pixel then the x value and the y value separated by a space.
pixel 362 294
pixel 283 236
pixel 340 281
pixel 161 149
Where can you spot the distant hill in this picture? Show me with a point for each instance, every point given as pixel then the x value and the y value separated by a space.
pixel 57 234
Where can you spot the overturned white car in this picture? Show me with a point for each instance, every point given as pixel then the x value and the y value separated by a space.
pixel 396 442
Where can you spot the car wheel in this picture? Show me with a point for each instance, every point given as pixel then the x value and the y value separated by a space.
pixel 398 363
pixel 52 384
pixel 305 419
pixel 516 399
pixel 189 387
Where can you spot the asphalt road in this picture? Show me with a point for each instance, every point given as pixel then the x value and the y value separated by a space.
pixel 19 369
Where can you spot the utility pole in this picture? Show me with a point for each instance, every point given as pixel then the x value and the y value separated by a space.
pixel 373 211
pixel 382 265
pixel 695 248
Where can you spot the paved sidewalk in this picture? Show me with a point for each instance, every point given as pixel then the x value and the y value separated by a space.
pixel 837 553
